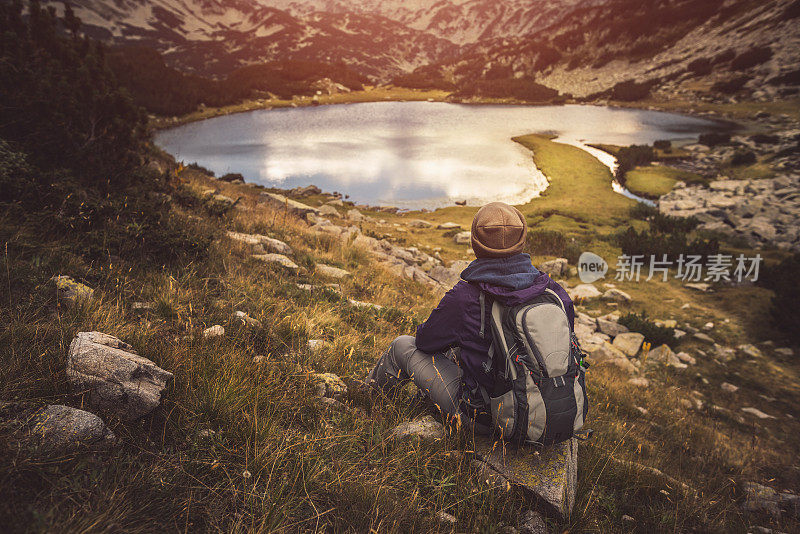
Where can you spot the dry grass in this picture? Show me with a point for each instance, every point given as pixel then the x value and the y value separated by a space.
pixel 314 468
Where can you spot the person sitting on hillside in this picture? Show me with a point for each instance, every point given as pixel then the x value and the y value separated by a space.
pixel 447 359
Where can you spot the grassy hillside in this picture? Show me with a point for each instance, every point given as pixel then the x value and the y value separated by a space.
pixel 281 460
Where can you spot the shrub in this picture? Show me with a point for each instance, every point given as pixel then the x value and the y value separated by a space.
pixel 700 67
pixel 630 157
pixel 782 280
pixel 663 144
pixel 730 87
pixel 712 139
pixel 751 58
pixel 743 157
pixel 646 243
pixel 630 91
pixel 653 334
pixel 553 243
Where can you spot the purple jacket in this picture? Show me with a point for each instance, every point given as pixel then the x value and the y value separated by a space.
pixel 455 322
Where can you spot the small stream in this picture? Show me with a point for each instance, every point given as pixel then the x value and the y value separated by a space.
pixel 609 161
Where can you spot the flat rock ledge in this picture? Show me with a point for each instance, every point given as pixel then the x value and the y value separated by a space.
pixel 548 476
pixel 116 380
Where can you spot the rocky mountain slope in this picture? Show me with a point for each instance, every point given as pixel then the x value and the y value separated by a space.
pixel 603 48
pixel 215 37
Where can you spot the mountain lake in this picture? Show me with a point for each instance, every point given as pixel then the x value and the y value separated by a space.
pixel 413 154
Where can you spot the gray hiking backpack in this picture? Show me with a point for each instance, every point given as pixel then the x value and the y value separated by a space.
pixel 539 393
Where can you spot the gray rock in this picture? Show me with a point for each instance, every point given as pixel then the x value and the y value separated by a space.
pixel 750 350
pixel 116 379
pixel 629 343
pixel 664 355
pixel 280 259
pixel 531 522
pixel 368 305
pixel 784 351
pixel 557 267
pixel 686 358
pixel 445 518
pixel 445 276
pixel 583 292
pixel 59 429
pixel 268 243
pixel 425 428
pixel 330 271
pixel 700 336
pixel 616 295
pixel 355 215
pixel 214 331
pixel 548 477
pixel 418 223
pixel 462 238
pixel 70 291
pixel 760 498
pixel 758 413
pixel 610 328
pixel 728 387
pixel 292 206
pixel 639 382
pixel 448 226
pixel 606 354
pixel 330 211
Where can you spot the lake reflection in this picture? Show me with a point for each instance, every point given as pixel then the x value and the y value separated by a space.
pixel 409 154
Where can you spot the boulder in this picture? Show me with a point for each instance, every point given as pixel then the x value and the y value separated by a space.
pixel 629 343
pixel 606 353
pixel 59 429
pixel 462 238
pixel 354 215
pixel 583 292
pixel 664 355
pixel 728 387
pixel 214 331
pixel 448 226
pixel 419 223
pixel 70 291
pixel 425 428
pixel 280 259
pixel 306 191
pixel 611 328
pixel 292 206
pixel 557 267
pixel 329 210
pixel 686 358
pixel 639 382
pixel 750 350
pixel 700 336
pixel 269 243
pixel 548 476
pixel 116 379
pixel 786 352
pixel 445 276
pixel 760 498
pixel 616 295
pixel 330 271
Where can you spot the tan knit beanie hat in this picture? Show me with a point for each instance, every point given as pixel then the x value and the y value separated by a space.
pixel 498 231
